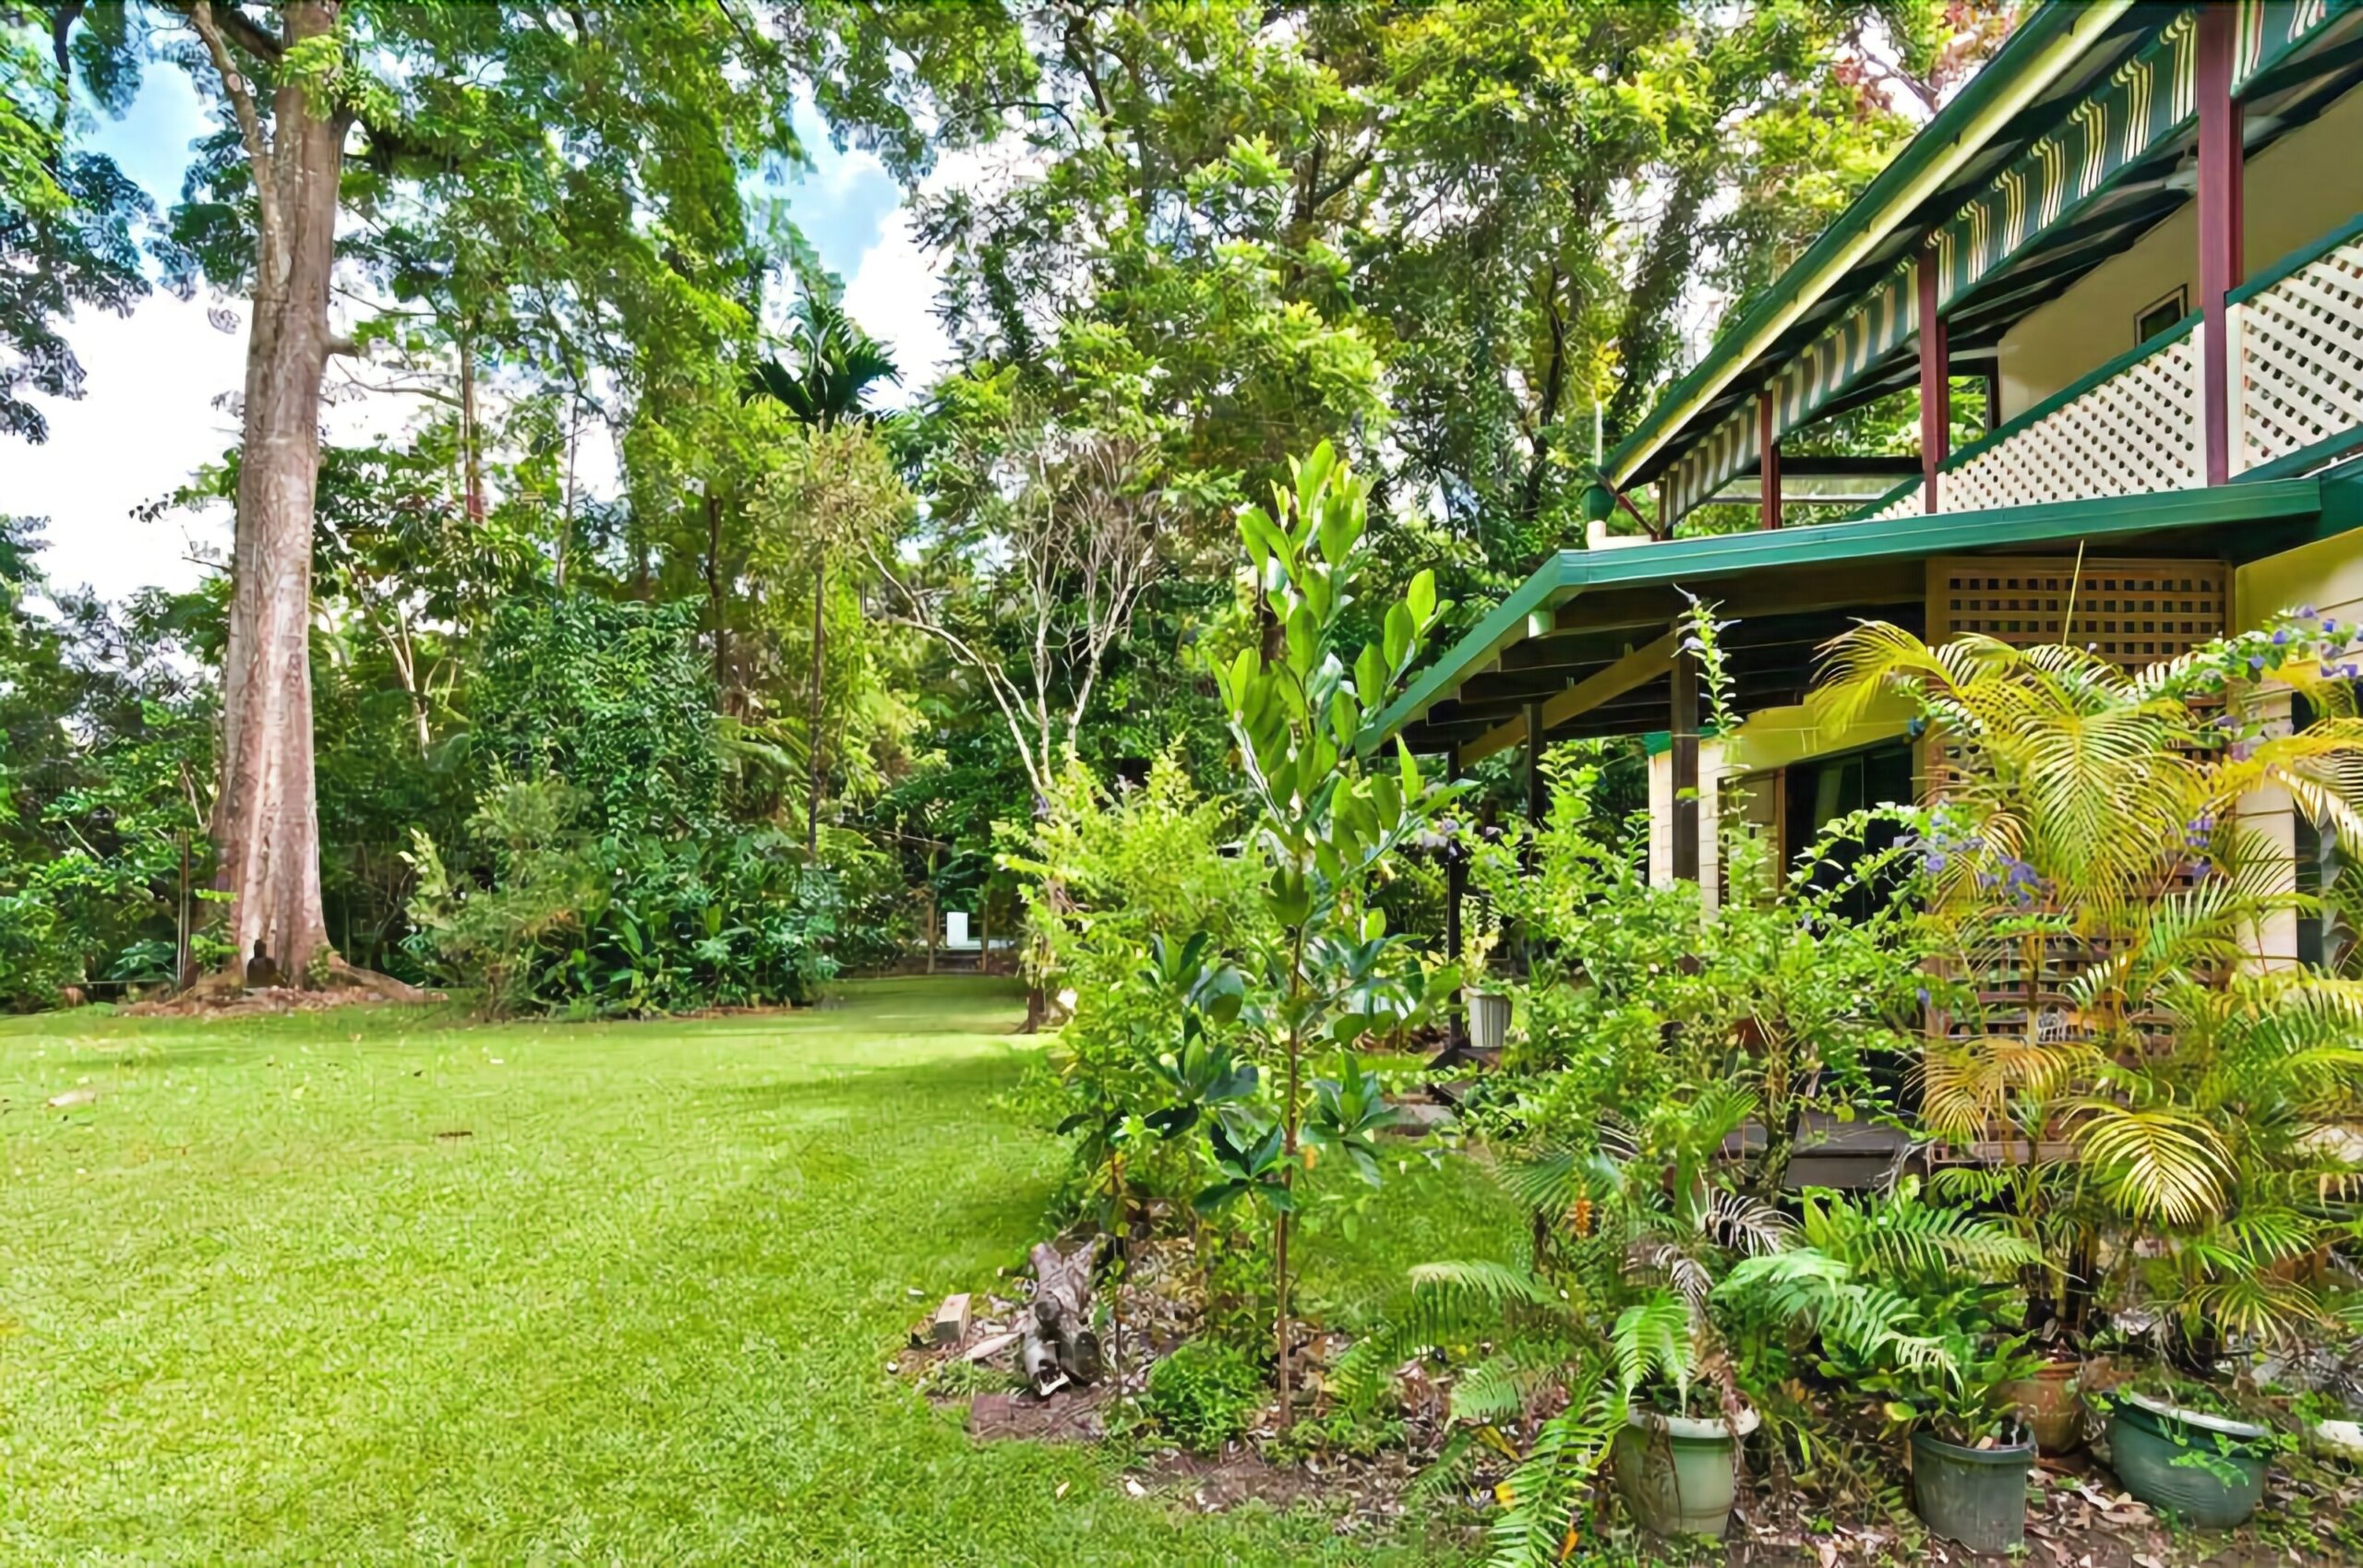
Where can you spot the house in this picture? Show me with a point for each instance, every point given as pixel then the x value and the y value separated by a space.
pixel 2138 232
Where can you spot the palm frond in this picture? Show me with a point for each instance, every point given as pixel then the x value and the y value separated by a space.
pixel 2153 1164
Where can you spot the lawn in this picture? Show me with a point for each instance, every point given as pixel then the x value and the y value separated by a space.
pixel 379 1285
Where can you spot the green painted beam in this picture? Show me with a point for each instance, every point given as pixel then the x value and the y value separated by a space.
pixel 1694 563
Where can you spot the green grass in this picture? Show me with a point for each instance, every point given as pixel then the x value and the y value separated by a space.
pixel 257 1304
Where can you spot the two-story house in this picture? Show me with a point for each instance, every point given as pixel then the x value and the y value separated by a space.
pixel 2141 227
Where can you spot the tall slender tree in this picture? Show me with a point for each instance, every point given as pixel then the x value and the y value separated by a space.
pixel 834 368
pixel 620 132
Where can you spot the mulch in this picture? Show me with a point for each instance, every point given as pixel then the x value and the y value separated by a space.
pixel 2082 1518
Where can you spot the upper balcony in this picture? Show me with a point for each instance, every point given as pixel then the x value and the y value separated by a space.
pixel 2073 228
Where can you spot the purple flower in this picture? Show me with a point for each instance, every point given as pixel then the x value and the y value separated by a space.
pixel 2330 626
pixel 2256 663
pixel 1924 995
pixel 2280 637
pixel 2199 867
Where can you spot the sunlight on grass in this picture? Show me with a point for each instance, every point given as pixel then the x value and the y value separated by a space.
pixel 381 1286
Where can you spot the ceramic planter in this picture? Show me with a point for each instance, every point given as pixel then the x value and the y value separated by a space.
pixel 2051 1403
pixel 1489 1020
pixel 2218 1489
pixel 1680 1477
pixel 1976 1496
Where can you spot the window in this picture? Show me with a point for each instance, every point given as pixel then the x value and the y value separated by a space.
pixel 2156 317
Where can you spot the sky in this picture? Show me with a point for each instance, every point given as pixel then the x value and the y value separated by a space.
pixel 157 381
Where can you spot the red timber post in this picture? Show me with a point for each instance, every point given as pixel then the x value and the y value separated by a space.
pixel 2220 225
pixel 1936 380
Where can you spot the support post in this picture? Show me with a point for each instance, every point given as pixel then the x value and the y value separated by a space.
pixel 1455 888
pixel 1686 765
pixel 1767 500
pixel 1936 380
pixel 2220 225
pixel 1537 807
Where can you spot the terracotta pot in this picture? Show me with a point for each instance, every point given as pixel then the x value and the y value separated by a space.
pixel 2052 1404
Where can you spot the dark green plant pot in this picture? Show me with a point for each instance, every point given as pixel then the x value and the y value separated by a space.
pixel 1976 1496
pixel 2213 1489
pixel 1679 1476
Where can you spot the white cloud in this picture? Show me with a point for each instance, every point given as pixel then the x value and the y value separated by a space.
pixel 147 421
pixel 892 294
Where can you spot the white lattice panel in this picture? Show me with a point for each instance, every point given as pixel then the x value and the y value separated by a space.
pixel 1911 503
pixel 2300 346
pixel 2135 433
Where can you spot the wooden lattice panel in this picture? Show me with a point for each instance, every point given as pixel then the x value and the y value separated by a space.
pixel 2134 434
pixel 2300 353
pixel 2132 611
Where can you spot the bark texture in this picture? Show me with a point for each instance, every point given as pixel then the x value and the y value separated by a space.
pixel 1056 1343
pixel 266 819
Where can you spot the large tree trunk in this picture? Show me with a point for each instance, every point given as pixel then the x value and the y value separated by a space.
pixel 266 820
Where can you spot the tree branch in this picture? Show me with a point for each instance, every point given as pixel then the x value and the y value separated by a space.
pixel 242 101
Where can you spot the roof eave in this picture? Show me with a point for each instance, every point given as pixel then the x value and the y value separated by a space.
pixel 2027 65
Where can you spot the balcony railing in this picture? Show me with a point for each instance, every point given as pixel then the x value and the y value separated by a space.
pixel 2129 429
pixel 2133 427
pixel 2297 340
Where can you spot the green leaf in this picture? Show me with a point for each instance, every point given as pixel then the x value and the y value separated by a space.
pixel 1423 597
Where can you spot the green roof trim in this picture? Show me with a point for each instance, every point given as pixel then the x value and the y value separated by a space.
pixel 2036 54
pixel 1684 563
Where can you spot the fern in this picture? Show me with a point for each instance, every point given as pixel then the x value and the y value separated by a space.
pixel 1654 1337
pixel 1541 1496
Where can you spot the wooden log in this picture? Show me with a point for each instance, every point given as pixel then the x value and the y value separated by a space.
pixel 1061 1322
pixel 951 1320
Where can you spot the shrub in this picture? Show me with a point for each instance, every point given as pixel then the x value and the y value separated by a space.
pixel 615 698
pixel 1203 1395
pixel 550 919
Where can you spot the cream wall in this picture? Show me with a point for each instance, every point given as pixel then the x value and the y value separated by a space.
pixel 2326 576
pixel 2298 190
pixel 1710 775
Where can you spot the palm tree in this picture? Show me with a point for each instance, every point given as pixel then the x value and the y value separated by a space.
pixel 834 367
pixel 2159 1084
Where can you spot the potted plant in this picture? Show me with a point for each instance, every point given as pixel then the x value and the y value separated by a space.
pixel 1677 1455
pixel 2184 1448
pixel 1953 1354
pixel 1488 1008
pixel 1970 1453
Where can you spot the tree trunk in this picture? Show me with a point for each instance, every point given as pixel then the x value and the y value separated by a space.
pixel 267 820
pixel 715 601
pixel 812 738
pixel 1057 1345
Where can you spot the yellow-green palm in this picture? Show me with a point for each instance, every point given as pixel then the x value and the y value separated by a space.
pixel 2200 1100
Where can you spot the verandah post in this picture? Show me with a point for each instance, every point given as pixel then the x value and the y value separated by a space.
pixel 2220 224
pixel 1936 380
pixel 1767 500
pixel 1685 759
